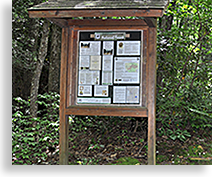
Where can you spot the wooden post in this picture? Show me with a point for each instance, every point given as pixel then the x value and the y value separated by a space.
pixel 151 87
pixel 64 123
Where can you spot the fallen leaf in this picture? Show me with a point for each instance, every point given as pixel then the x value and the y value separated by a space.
pixel 104 150
pixel 200 147
pixel 110 145
pixel 113 155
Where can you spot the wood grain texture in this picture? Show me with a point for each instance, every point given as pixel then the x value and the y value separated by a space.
pixel 152 94
pixel 63 154
pixel 107 22
pixel 107 111
pixel 95 13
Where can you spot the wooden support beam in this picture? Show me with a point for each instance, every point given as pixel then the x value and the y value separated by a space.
pixel 107 22
pixel 64 123
pixel 107 111
pixel 152 93
pixel 59 22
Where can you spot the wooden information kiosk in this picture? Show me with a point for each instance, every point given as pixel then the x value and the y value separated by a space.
pixel 108 66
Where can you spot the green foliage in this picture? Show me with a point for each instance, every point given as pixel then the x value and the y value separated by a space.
pixel 184 90
pixel 99 124
pixel 184 98
pixel 35 139
pixel 88 161
pixel 126 161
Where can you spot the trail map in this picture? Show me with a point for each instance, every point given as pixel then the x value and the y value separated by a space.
pixel 127 70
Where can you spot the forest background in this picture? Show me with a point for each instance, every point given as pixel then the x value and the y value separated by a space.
pixel 184 95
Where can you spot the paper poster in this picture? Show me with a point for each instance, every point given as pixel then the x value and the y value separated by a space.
pixel 89 77
pixel 90 48
pixel 107 78
pixel 84 62
pixel 128 48
pixel 127 70
pixel 95 63
pixel 126 94
pixel 100 91
pixel 132 94
pixel 85 90
pixel 119 94
pixel 93 100
pixel 108 48
pixel 107 64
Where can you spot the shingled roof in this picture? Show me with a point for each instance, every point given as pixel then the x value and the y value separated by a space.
pixel 101 4
pixel 98 8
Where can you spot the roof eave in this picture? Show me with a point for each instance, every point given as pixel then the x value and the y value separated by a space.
pixel 69 13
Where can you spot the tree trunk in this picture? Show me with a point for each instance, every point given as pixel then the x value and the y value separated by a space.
pixel 39 65
pixel 54 68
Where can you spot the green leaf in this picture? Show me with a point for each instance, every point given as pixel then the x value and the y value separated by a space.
pixel 200 112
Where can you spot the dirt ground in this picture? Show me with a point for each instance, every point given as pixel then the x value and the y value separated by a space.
pixel 122 144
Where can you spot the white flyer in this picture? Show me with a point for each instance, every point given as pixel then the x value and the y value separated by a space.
pixel 127 70
pixel 107 64
pixel 108 48
pixel 90 48
pixel 89 77
pixel 107 78
pixel 126 94
pixel 93 100
pixel 132 94
pixel 95 63
pixel 85 90
pixel 100 91
pixel 128 48
pixel 84 62
pixel 119 94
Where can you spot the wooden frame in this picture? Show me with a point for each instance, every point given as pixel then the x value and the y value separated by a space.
pixel 69 77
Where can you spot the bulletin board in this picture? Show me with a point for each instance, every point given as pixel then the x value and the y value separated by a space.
pixel 110 67
pixel 106 72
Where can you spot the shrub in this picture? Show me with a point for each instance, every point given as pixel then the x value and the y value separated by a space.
pixel 34 140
